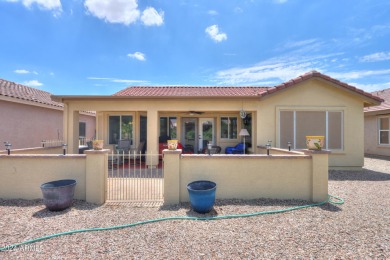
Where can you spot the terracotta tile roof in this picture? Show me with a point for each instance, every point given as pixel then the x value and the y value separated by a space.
pixel 192 91
pixel 385 95
pixel 313 74
pixel 214 91
pixel 18 91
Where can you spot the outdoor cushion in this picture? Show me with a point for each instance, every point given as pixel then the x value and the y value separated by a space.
pixel 238 149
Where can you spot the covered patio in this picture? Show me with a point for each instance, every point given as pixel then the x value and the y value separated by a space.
pixel 193 121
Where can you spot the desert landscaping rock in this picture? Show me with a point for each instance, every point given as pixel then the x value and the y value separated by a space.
pixel 360 228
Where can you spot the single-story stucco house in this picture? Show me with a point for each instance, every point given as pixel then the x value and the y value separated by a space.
pixel 311 104
pixel 377 126
pixel 29 116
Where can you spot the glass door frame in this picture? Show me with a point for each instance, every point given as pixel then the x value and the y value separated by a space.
pixel 201 122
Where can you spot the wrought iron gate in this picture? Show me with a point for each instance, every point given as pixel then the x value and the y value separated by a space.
pixel 131 180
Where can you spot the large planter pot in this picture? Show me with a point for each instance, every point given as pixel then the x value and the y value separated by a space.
pixel 315 142
pixel 58 195
pixel 202 195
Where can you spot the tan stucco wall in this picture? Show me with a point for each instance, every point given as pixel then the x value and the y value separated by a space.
pixel 292 176
pixel 257 178
pixel 26 126
pixel 22 175
pixel 317 95
pixel 371 139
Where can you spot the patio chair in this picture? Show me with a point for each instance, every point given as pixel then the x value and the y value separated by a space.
pixel 215 149
pixel 136 153
pixel 123 146
pixel 122 149
pixel 238 149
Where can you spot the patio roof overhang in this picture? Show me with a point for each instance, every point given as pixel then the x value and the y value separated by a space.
pixel 64 98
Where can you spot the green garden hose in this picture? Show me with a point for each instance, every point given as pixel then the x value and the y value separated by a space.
pixel 331 199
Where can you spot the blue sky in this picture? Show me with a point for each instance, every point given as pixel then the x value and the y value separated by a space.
pixel 98 47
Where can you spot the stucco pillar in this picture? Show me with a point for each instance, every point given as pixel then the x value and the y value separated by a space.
pixel 152 134
pixel 96 176
pixel 320 167
pixel 65 119
pixel 171 176
pixel 262 129
pixel 71 129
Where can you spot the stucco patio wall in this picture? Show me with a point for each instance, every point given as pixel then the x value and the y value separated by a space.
pixel 22 175
pixel 294 176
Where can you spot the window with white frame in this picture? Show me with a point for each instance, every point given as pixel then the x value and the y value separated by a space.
pixel 168 128
pixel 120 127
pixel 295 125
pixel 228 127
pixel 384 130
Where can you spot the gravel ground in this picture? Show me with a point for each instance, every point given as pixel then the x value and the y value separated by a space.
pixel 360 228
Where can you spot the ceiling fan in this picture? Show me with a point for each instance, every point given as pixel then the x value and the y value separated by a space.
pixel 195 112
pixel 192 113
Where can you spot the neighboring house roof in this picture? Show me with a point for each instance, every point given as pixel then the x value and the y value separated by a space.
pixel 21 92
pixel 12 91
pixel 218 91
pixel 385 106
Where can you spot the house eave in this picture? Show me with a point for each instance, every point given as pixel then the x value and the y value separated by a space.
pixel 377 112
pixel 63 99
pixel 30 103
pixel 368 101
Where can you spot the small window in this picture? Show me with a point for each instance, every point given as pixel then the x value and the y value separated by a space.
pixel 120 127
pixel 168 129
pixel 384 130
pixel 82 129
pixel 229 127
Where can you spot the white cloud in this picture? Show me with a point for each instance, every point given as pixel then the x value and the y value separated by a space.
pixel 212 12
pixel 378 56
pixel 284 68
pixel 358 74
pixel 238 10
pixel 32 83
pixel 123 11
pixel 22 71
pixel 52 5
pixel 151 17
pixel 115 80
pixel 274 70
pixel 280 1
pixel 371 87
pixel 213 32
pixel 45 4
pixel 114 11
pixel 137 55
pixel 302 43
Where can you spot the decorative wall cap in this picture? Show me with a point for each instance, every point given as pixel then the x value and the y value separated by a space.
pixel 97 151
pixel 167 151
pixel 322 151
